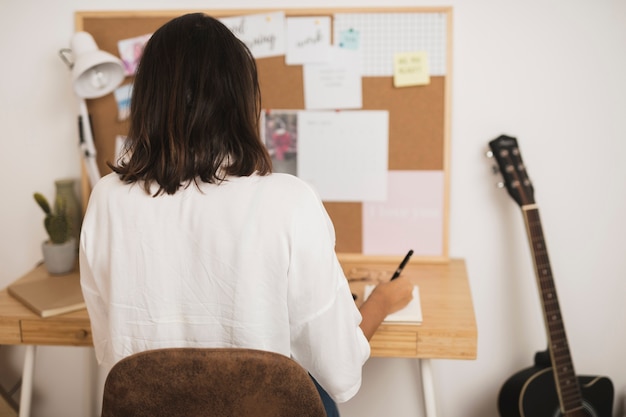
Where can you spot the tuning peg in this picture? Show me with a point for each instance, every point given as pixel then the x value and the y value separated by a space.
pixel 500 184
pixel 489 154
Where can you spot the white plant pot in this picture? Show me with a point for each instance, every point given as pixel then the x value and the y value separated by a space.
pixel 59 258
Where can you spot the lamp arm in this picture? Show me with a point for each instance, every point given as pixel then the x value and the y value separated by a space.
pixel 87 147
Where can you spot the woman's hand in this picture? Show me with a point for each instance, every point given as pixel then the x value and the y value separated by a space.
pixel 388 297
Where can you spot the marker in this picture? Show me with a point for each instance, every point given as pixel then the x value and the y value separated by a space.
pixel 402 265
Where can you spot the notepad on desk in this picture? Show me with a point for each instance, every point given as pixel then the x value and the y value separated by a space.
pixel 411 313
pixel 50 296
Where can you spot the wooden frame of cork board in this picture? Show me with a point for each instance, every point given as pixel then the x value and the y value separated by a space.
pixel 419 120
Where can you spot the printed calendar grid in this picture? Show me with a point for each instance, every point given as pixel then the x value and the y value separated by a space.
pixel 384 34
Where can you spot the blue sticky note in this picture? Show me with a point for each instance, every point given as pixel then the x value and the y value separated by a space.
pixel 349 39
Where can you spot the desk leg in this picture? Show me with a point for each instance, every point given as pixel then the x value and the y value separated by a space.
pixel 27 381
pixel 428 387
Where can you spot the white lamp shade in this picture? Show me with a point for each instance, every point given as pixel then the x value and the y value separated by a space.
pixel 95 73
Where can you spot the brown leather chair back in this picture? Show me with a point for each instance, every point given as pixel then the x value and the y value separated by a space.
pixel 194 382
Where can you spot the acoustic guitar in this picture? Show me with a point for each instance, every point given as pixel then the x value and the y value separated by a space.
pixel 551 387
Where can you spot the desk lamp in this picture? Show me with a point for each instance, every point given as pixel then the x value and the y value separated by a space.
pixel 95 74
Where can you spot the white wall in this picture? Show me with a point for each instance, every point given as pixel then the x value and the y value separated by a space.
pixel 550 73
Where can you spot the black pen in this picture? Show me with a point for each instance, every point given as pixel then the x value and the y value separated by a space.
pixel 402 265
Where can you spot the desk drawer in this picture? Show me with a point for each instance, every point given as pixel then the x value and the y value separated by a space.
pixel 51 332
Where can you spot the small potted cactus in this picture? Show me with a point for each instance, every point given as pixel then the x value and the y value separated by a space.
pixel 59 251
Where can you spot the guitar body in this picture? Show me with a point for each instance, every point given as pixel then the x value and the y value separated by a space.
pixel 532 392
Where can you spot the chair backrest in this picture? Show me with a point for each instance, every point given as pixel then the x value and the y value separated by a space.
pixel 222 382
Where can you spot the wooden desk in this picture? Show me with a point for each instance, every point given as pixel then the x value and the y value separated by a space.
pixel 20 326
pixel 448 330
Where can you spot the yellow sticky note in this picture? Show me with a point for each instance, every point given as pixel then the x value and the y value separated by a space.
pixel 410 68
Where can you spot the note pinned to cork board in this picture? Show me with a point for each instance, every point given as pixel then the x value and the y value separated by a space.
pixel 410 69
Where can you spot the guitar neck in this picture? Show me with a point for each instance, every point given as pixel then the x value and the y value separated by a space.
pixel 564 374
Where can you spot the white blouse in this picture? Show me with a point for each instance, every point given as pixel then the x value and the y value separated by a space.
pixel 247 263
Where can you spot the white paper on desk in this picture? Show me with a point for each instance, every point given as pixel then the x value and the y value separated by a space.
pixel 412 313
pixel 335 84
pixel 343 155
pixel 263 33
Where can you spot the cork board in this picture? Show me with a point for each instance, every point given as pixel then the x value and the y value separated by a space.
pixel 418 116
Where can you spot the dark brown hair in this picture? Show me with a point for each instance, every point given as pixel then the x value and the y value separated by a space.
pixel 194 112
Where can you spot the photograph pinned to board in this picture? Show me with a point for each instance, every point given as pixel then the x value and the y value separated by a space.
pixel 122 97
pixel 280 135
pixel 131 50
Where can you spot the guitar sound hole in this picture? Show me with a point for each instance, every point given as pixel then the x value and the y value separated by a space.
pixel 588 411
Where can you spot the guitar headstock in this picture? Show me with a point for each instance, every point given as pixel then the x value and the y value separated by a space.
pixel 507 154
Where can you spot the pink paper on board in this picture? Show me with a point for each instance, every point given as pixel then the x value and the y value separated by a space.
pixel 411 218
